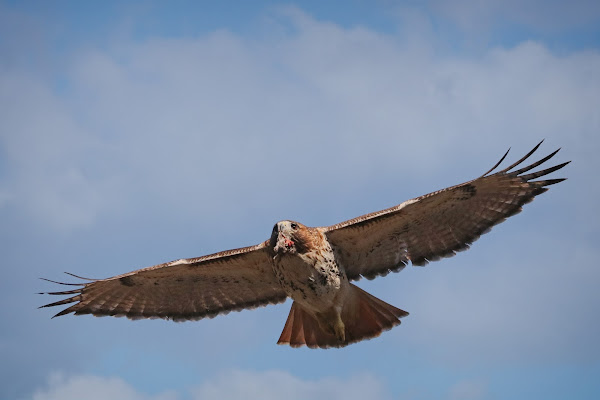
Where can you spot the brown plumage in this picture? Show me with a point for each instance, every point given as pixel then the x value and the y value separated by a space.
pixel 314 266
pixel 365 317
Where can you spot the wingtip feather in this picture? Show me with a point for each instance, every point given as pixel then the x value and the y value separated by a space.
pixel 549 182
pixel 498 163
pixel 525 157
pixel 62 283
pixel 543 172
pixel 80 277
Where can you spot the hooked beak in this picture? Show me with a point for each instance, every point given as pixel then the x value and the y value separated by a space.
pixel 283 243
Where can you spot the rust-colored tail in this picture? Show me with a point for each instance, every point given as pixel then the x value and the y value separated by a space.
pixel 364 317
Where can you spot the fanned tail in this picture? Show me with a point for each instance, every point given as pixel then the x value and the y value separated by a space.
pixel 369 316
pixel 364 317
pixel 301 328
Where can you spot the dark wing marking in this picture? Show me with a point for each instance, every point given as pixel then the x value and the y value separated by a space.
pixel 184 289
pixel 435 225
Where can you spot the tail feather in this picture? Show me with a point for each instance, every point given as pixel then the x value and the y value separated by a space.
pixel 298 329
pixel 364 317
pixel 301 328
pixel 369 317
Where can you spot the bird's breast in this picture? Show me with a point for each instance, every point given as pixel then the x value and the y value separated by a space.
pixel 314 278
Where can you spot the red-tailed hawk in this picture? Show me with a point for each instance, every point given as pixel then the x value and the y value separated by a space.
pixel 314 266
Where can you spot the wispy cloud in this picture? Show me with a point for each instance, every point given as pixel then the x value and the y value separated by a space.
pixel 90 387
pixel 157 119
pixel 236 384
pixel 278 384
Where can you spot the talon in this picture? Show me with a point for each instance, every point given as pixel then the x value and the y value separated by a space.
pixel 340 333
pixel 340 330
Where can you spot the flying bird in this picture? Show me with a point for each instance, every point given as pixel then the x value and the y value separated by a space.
pixel 315 266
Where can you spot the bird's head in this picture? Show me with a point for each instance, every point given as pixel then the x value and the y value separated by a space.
pixel 289 237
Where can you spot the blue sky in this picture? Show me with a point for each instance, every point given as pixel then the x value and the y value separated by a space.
pixel 134 133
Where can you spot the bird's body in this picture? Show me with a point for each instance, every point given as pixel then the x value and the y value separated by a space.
pixel 315 266
pixel 308 272
pixel 327 309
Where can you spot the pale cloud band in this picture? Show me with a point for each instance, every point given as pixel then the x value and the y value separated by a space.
pixel 268 385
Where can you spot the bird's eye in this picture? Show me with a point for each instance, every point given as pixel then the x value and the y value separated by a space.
pixel 294 225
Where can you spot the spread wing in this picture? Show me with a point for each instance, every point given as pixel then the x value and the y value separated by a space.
pixel 435 225
pixel 184 289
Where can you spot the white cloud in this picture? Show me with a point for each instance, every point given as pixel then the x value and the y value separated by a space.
pixel 266 385
pixel 156 120
pixel 90 387
pixel 274 385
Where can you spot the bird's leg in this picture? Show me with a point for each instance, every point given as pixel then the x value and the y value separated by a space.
pixel 340 329
pixel 331 322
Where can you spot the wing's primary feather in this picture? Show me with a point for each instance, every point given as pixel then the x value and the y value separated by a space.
pixel 184 289
pixel 437 224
